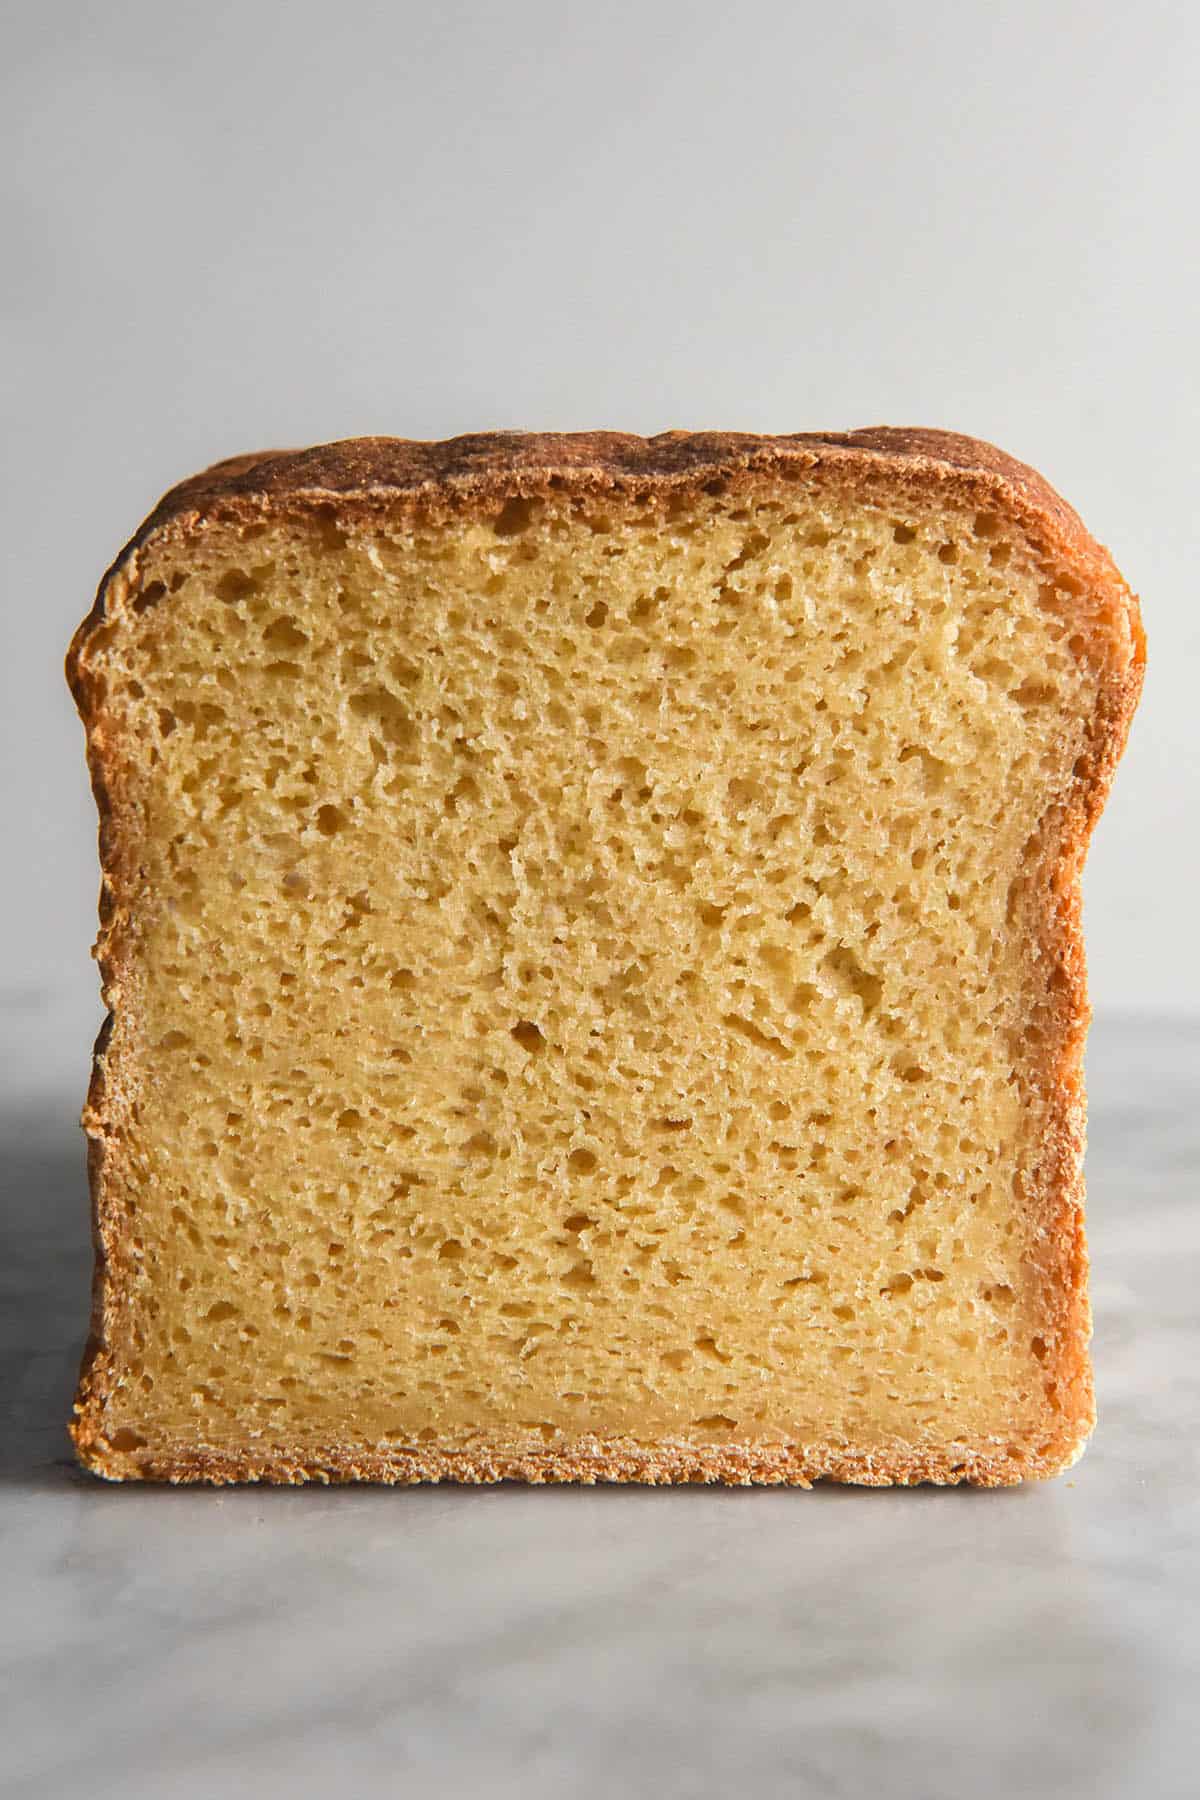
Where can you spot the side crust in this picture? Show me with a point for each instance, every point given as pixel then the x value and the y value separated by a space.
pixel 462 477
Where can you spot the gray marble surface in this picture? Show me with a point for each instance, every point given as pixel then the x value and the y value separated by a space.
pixel 572 1643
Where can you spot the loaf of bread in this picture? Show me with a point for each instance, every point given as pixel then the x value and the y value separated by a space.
pixel 590 928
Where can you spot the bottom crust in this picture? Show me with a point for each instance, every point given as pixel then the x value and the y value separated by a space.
pixel 991 1464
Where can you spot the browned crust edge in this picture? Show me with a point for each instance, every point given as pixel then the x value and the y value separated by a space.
pixel 366 477
pixel 586 1463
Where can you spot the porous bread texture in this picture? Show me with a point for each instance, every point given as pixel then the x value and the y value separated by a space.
pixel 595 975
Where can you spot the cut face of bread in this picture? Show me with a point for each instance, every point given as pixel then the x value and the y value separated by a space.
pixel 591 929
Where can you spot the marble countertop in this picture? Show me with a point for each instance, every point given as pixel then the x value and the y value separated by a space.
pixel 571 1643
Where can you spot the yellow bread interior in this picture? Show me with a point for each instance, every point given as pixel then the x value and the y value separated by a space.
pixel 577 976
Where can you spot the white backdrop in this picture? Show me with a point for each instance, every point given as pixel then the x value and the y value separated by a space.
pixel 230 226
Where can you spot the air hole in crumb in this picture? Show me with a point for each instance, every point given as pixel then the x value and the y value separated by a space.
pixel 746 1028
pixel 151 593
pixel 235 585
pixel 514 517
pixel 126 1439
pixel 283 633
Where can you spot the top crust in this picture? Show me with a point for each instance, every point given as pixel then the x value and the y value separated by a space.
pixel 467 474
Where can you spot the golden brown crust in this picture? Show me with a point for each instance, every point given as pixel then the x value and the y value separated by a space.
pixel 481 468
pixel 462 476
